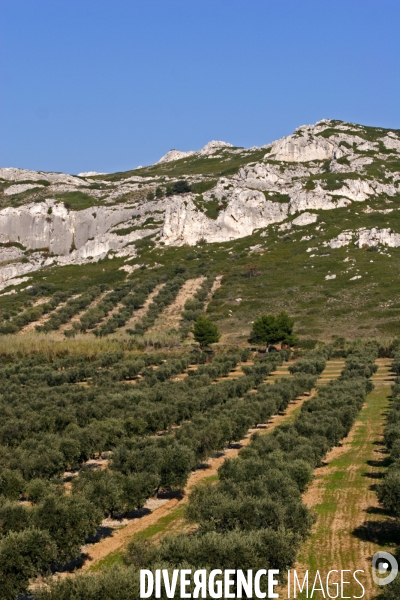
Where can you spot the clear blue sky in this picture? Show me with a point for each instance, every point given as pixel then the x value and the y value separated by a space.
pixel 108 85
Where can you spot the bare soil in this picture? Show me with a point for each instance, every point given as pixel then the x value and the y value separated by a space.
pixel 44 318
pixel 76 318
pixel 171 316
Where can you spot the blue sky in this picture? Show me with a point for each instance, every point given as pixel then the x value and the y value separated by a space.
pixel 108 85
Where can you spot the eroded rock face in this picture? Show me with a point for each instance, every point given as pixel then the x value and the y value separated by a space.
pixel 247 210
pixel 52 226
pixel 305 148
pixel 319 167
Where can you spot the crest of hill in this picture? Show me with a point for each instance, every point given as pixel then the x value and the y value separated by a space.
pixel 51 219
pixel 208 149
pixel 309 223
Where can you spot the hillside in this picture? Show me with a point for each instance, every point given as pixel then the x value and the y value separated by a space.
pixel 308 223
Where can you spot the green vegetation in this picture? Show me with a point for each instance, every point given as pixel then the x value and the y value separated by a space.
pixel 164 297
pixel 229 164
pixel 211 208
pixel 179 187
pixel 389 490
pixel 76 200
pixel 271 329
pixel 362 308
pixel 370 134
pixel 203 186
pixel 92 425
pixel 205 332
pixel 254 516
pixel 345 493
pixel 194 307
pixel 61 425
pixel 130 303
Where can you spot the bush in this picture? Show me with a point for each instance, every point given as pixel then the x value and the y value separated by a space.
pixel 271 329
pixel 205 332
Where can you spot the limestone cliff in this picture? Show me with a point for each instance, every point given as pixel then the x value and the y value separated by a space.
pixel 55 218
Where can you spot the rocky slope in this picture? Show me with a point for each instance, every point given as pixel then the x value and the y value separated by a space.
pixel 53 218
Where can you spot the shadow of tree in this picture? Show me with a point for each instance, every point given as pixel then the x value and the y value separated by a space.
pixel 374 475
pixel 380 464
pixel 378 510
pixel 383 533
pixel 170 494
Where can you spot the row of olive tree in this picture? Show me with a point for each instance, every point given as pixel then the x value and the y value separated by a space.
pixel 140 467
pixel 254 516
pixel 389 490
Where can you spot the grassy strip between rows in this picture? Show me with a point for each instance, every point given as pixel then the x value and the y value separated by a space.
pixel 343 498
pixel 389 491
pixel 161 526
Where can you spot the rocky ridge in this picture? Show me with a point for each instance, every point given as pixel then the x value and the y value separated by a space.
pixel 57 219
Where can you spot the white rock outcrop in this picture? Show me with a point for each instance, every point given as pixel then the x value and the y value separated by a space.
pixel 391 142
pixel 292 179
pixel 175 155
pixel 52 226
pixel 90 174
pixel 343 239
pixel 305 147
pixel 20 187
pixel 247 210
pixel 375 236
pixel 305 218
pixel 208 149
pixel 13 174
pixel 366 238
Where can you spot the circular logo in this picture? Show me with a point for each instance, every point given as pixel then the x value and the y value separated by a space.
pixel 384 563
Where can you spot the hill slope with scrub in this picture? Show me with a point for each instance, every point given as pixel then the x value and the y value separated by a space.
pixel 308 224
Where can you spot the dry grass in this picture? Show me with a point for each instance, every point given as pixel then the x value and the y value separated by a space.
pixel 52 344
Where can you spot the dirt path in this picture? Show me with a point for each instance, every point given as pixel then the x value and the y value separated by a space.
pixel 44 318
pixel 41 301
pixel 350 525
pixel 165 511
pixel 171 316
pixel 332 371
pixel 76 318
pixel 216 284
pixel 141 312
